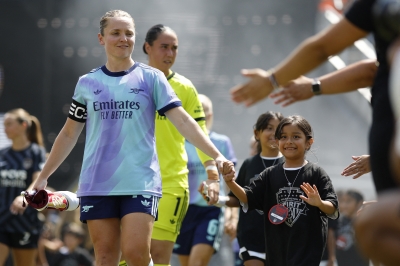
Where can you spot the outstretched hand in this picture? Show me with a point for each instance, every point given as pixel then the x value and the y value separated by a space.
pixel 313 197
pixel 359 167
pixel 253 91
pixel 296 90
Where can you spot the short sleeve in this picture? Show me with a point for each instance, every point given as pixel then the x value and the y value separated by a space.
pixel 327 192
pixel 360 14
pixel 164 96
pixel 256 191
pixel 78 110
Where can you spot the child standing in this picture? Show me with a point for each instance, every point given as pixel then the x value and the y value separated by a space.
pixel 296 196
pixel 347 253
pixel 251 240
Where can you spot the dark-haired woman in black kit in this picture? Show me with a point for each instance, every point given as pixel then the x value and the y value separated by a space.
pixel 20 165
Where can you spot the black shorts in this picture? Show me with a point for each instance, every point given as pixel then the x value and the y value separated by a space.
pixel 19 240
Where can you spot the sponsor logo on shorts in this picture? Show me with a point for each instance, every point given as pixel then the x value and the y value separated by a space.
pixel 86 208
pixel 145 203
pixel 25 240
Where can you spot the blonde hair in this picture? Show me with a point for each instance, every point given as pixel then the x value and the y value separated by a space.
pixel 113 14
pixel 33 131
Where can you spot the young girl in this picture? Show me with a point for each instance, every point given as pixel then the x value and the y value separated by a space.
pixel 296 197
pixel 20 165
pixel 251 241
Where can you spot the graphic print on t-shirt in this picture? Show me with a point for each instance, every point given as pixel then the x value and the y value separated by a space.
pixel 290 197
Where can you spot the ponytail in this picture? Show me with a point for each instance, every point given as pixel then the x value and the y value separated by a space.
pixel 33 131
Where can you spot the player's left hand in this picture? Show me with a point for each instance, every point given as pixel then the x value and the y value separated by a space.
pixel 209 189
pixel 313 197
pixel 253 91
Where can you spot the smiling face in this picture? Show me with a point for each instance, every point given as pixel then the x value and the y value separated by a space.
pixel 118 38
pixel 266 136
pixel 163 51
pixel 293 144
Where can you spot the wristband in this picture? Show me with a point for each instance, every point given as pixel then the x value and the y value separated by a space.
pixel 221 201
pixel 273 81
pixel 211 168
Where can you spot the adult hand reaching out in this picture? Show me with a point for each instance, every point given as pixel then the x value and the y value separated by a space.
pixel 359 167
pixel 258 88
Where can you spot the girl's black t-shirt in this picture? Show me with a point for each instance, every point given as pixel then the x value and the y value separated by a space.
pixel 249 233
pixel 301 239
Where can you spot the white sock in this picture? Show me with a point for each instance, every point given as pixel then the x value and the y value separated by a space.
pixel 151 263
pixel 73 200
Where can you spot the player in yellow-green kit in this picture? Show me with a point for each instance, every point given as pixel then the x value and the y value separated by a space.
pixel 161 46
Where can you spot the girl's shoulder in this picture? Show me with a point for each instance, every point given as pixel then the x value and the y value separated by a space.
pixel 315 170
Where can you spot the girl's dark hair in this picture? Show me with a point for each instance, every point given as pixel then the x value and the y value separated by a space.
pixel 153 33
pixel 297 120
pixel 355 194
pixel 33 131
pixel 263 121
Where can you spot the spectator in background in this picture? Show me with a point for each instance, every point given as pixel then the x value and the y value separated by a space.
pixel 202 227
pixel 347 253
pixel 71 251
pixel 20 165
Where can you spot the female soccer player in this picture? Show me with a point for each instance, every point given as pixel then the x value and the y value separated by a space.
pixel 296 197
pixel 20 165
pixel 201 233
pixel 120 183
pixel 161 46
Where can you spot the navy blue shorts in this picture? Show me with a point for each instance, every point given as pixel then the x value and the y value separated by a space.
pixel 19 240
pixel 202 225
pixel 102 207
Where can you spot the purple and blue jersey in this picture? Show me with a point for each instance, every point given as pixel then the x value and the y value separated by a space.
pixel 119 110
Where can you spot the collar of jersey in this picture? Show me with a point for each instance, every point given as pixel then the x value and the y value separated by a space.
pixel 119 73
